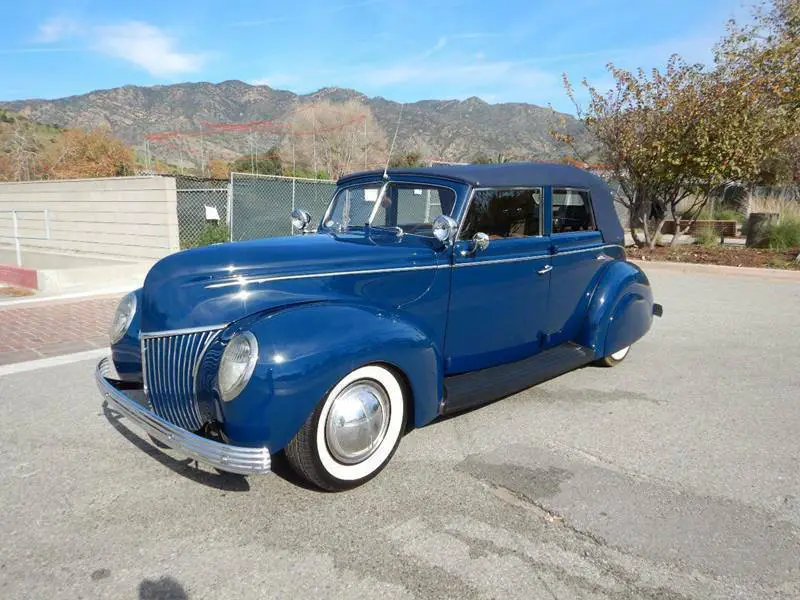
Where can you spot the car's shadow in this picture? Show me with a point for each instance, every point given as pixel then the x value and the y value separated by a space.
pixel 220 480
pixel 187 468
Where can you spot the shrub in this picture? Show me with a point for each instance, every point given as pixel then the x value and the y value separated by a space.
pixel 707 236
pixel 729 215
pixel 784 235
pixel 212 233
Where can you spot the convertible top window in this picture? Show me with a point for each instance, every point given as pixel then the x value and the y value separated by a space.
pixel 410 206
pixel 572 211
pixel 504 213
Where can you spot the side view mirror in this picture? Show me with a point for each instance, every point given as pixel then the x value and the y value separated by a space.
pixel 445 229
pixel 300 220
pixel 480 242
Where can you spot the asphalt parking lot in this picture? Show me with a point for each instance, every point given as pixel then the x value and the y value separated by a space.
pixel 672 476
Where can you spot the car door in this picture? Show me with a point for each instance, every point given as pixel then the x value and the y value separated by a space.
pixel 578 257
pixel 498 298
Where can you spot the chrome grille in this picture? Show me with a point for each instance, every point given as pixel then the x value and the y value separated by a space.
pixel 169 363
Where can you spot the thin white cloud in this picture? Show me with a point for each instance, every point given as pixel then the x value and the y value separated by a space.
pixel 147 47
pixel 516 74
pixel 277 80
pixel 494 81
pixel 440 45
pixel 58 29
pixel 142 44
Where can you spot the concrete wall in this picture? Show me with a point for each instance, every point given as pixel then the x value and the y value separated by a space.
pixel 132 218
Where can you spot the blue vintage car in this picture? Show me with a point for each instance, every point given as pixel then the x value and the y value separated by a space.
pixel 421 293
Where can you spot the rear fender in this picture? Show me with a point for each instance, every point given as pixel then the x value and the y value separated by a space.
pixel 305 350
pixel 620 311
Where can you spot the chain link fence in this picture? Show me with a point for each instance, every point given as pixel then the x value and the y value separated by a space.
pixel 261 205
pixel 202 210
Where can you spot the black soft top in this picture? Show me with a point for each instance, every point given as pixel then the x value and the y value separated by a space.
pixel 504 175
pixel 522 175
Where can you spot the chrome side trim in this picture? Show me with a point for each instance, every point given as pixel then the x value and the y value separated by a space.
pixel 537 257
pixel 233 459
pixel 603 247
pixel 247 280
pixel 171 332
pixel 500 261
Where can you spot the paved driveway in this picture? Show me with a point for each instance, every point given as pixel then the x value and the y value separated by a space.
pixel 673 476
pixel 30 330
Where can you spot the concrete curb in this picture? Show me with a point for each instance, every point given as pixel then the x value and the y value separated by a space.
pixel 19 277
pixel 719 270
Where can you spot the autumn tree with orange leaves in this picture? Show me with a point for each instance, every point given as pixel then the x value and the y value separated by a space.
pixel 30 150
pixel 79 154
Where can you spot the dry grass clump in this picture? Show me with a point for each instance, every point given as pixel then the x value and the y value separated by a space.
pixel 775 204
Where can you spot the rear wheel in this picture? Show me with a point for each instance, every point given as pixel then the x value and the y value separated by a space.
pixel 613 359
pixel 353 432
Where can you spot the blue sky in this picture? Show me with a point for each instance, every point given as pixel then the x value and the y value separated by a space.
pixel 501 50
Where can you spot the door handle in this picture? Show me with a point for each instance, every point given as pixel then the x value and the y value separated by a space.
pixel 544 270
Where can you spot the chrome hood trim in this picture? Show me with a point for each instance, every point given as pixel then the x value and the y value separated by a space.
pixel 203 288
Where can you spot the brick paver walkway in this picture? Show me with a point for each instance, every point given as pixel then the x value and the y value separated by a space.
pixel 39 330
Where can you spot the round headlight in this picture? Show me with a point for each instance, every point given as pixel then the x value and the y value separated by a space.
pixel 122 318
pixel 237 364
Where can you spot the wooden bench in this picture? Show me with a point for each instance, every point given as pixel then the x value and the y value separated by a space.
pixel 724 228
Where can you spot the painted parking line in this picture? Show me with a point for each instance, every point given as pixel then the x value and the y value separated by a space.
pixel 73 296
pixel 55 361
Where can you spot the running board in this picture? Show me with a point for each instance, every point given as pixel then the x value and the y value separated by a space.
pixel 468 390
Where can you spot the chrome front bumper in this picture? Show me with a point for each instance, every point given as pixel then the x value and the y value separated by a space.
pixel 233 459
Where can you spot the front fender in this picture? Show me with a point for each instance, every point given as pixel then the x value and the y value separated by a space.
pixel 126 353
pixel 620 311
pixel 305 350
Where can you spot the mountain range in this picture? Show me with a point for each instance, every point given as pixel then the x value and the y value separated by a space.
pixel 452 130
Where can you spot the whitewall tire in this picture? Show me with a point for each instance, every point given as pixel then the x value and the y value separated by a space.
pixel 353 432
pixel 613 359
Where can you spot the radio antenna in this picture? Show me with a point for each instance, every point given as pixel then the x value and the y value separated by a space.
pixel 394 139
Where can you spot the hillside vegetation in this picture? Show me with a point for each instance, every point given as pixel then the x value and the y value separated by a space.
pixel 32 150
pixel 454 130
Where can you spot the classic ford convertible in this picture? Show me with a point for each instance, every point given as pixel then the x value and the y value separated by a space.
pixel 421 293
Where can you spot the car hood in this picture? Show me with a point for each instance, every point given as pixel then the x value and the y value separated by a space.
pixel 219 284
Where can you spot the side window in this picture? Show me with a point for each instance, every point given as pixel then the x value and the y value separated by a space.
pixel 572 211
pixel 504 213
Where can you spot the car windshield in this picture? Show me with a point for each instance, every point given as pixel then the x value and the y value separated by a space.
pixel 410 206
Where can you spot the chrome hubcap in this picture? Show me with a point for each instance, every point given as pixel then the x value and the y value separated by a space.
pixel 357 421
pixel 620 354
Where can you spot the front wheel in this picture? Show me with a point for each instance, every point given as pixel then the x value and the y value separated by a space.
pixel 613 359
pixel 353 432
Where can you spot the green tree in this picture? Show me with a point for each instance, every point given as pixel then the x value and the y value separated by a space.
pixel 411 158
pixel 671 137
pixel 269 163
pixel 762 59
pixel 500 158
